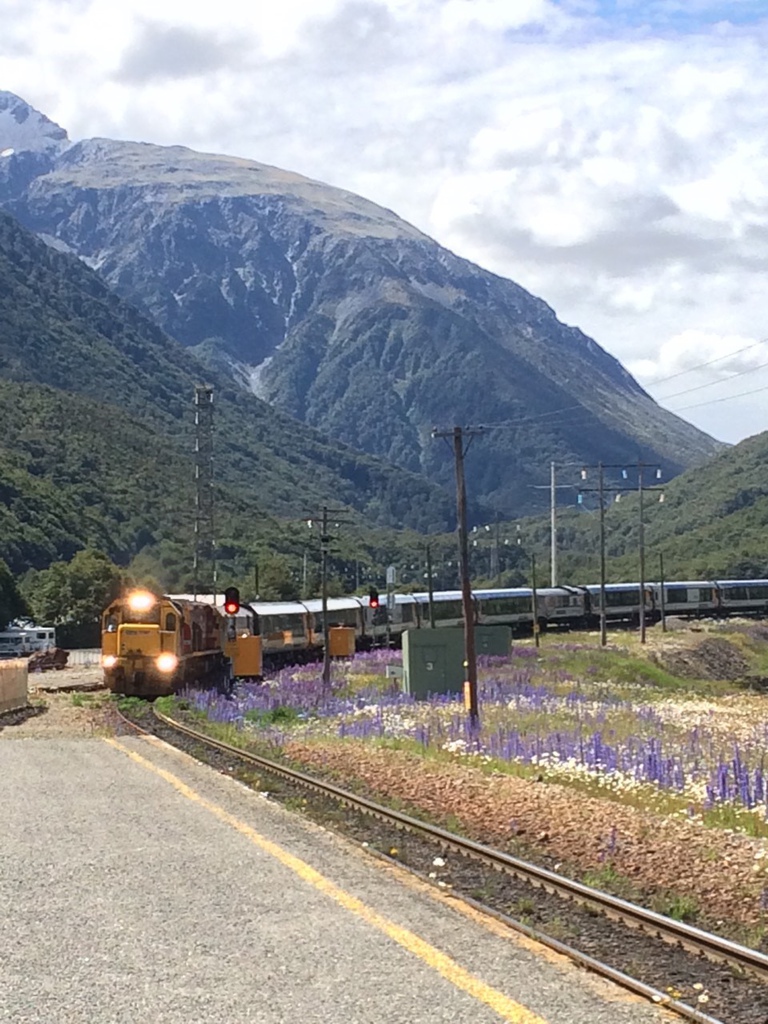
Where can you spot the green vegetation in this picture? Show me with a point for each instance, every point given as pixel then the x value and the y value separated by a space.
pixel 96 437
pixel 12 604
pixel 712 524
pixel 72 595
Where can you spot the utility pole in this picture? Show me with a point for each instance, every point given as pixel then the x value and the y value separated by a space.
pixel 661 589
pixel 204 580
pixel 325 543
pixel 458 435
pixel 552 525
pixel 641 489
pixel 553 488
pixel 431 588
pixel 496 553
pixel 603 620
pixel 642 552
pixel 534 602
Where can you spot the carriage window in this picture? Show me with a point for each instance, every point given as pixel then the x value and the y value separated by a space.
pixel 170 623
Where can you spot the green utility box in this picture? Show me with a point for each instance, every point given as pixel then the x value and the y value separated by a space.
pixel 433 659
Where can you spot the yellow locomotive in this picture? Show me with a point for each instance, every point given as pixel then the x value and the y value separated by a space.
pixel 152 646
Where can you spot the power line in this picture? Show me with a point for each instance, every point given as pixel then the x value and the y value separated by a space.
pixel 709 362
pixel 728 398
pixel 711 383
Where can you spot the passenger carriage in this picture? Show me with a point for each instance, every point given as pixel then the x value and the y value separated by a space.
pixel 742 597
pixel 622 602
pixel 687 598
pixel 285 630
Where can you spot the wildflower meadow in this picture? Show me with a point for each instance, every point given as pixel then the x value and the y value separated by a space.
pixel 615 733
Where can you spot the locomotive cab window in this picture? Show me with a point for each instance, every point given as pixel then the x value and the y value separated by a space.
pixel 170 623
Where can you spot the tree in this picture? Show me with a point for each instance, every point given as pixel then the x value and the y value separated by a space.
pixel 276 582
pixel 12 604
pixel 74 594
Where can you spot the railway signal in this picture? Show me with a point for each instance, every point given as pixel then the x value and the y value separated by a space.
pixel 231 600
pixel 373 598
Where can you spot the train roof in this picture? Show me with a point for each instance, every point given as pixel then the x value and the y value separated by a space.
pixel 335 604
pixel 683 583
pixel 422 597
pixel 278 608
pixel 594 588
pixel 741 583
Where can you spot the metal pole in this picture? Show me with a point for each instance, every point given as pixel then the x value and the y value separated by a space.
pixel 534 602
pixel 497 542
pixel 324 573
pixel 603 621
pixel 553 524
pixel 256 580
pixel 642 553
pixel 466 585
pixel 431 588
pixel 661 588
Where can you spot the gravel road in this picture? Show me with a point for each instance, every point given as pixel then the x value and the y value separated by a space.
pixel 147 888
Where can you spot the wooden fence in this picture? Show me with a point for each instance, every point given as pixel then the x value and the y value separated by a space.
pixel 13 684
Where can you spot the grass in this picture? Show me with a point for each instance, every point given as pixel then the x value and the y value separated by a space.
pixel 678 906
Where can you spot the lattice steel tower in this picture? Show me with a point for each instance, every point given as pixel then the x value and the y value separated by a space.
pixel 204 566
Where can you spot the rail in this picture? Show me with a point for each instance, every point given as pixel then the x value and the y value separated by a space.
pixel 701 943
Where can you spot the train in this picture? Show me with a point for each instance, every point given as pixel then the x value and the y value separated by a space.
pixel 153 646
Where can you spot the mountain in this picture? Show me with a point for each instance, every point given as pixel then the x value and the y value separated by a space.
pixel 339 313
pixel 96 432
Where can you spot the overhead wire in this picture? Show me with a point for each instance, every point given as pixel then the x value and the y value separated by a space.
pixel 709 362
pixel 712 383
pixel 727 398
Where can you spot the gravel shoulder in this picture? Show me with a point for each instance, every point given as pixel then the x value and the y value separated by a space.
pixel 724 875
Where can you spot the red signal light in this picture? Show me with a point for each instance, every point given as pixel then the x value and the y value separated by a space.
pixel 373 598
pixel 231 600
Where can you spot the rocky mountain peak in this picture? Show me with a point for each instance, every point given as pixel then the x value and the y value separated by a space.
pixel 24 129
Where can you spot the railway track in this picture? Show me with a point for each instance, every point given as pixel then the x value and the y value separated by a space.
pixel 742 965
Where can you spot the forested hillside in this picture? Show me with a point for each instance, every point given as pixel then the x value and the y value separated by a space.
pixel 96 431
pixel 712 522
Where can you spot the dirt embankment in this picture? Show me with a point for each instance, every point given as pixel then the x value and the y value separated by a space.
pixel 564 828
pixel 707 657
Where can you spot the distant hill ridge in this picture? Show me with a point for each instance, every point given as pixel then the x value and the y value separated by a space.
pixel 338 312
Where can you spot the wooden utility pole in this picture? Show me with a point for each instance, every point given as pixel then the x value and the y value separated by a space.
pixel 535 602
pixel 603 619
pixel 431 588
pixel 325 543
pixel 552 526
pixel 458 435
pixel 601 490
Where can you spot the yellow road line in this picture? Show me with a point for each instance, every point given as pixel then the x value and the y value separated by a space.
pixel 508 1009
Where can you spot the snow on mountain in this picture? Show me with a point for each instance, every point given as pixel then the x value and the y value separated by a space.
pixel 24 129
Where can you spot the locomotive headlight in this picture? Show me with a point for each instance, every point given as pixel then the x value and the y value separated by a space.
pixel 109 661
pixel 140 601
pixel 167 662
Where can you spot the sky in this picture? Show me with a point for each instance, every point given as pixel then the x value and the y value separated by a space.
pixel 611 156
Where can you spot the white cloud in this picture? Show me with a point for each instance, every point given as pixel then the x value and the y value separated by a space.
pixel 619 171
